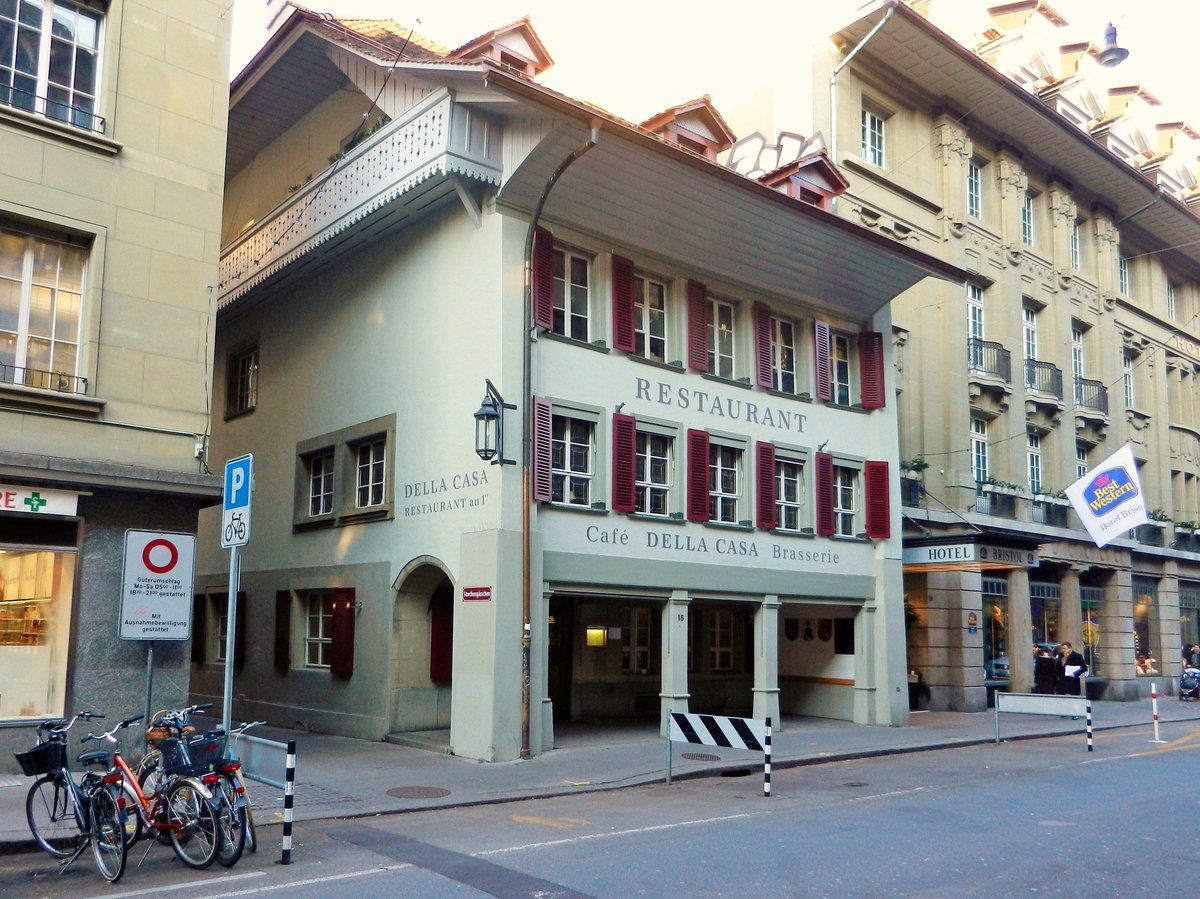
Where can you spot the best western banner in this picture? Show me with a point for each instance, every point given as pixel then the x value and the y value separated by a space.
pixel 1109 498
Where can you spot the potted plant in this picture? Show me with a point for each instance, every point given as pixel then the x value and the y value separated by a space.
pixel 913 467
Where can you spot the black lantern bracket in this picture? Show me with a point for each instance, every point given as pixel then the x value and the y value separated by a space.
pixel 489 426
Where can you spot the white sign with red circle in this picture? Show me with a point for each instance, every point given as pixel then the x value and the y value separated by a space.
pixel 156 585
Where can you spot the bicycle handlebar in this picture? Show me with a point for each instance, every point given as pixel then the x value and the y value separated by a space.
pixel 59 727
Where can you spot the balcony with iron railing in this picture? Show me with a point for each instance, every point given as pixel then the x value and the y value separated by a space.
pixel 989 375
pixel 438 149
pixel 39 379
pixel 1044 378
pixel 36 104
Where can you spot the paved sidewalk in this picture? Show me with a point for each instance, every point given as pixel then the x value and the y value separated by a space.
pixel 339 777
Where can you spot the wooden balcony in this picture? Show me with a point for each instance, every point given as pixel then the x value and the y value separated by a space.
pixel 436 151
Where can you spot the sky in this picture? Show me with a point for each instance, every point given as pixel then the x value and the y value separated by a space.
pixel 637 57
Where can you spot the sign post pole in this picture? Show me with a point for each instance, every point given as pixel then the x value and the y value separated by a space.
pixel 235 533
pixel 149 688
pixel 230 637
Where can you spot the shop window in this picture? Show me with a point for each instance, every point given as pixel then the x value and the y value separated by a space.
pixel 1091 604
pixel 1147 653
pixel 1045 608
pixel 995 628
pixel 241 381
pixel 635 641
pixel 720 640
pixel 36 587
pixel 50 60
pixel 41 295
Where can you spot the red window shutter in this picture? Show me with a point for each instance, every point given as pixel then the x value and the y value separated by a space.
pixel 624 462
pixel 698 312
pixel 199 627
pixel 543 278
pixel 341 649
pixel 877 496
pixel 762 345
pixel 823 476
pixel 697 475
pixel 283 630
pixel 622 304
pixel 441 634
pixel 870 361
pixel 239 638
pixel 821 360
pixel 764 474
pixel 542 477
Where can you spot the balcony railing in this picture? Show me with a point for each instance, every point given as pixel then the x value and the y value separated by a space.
pixel 1091 395
pixel 989 501
pixel 60 112
pixel 43 380
pixel 910 492
pixel 1042 377
pixel 987 357
pixel 1049 513
pixel 410 160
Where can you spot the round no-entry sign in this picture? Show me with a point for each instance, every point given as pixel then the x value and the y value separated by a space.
pixel 156 585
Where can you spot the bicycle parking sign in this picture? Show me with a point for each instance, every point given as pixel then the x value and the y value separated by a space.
pixel 235 510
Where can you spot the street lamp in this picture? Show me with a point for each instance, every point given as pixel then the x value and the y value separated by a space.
pixel 489 426
pixel 1111 55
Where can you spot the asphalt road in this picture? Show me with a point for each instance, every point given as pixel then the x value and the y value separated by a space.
pixel 1030 817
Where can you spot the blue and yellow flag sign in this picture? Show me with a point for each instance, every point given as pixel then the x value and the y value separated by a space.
pixel 1109 499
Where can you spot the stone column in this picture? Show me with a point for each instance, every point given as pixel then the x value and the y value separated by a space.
pixel 1070 623
pixel 674 696
pixel 1020 632
pixel 766 661
pixel 1116 636
pixel 540 662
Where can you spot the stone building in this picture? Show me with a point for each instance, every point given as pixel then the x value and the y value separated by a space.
pixel 112 132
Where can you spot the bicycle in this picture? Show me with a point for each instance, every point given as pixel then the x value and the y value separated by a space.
pixel 181 811
pixel 204 754
pixel 66 817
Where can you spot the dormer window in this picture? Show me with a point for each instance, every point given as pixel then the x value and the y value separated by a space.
pixel 694 126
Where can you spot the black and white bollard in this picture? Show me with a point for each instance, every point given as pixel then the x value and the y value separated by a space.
pixel 1089 725
pixel 289 798
pixel 767 759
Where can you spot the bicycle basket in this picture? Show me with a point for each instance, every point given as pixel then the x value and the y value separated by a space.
pixel 43 758
pixel 175 758
pixel 206 748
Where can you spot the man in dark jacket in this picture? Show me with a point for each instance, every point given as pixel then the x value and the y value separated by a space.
pixel 1070 667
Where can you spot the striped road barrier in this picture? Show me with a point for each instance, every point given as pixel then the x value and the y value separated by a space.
pixel 750 734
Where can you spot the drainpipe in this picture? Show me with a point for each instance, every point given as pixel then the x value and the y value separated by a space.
pixel 833 110
pixel 527 429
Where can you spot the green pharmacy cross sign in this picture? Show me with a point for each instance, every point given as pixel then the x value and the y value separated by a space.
pixel 35 502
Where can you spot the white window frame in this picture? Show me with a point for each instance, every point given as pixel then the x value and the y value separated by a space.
pixel 975 188
pixel 1128 364
pixel 570 320
pixel 318 628
pixel 650 318
pixel 841 368
pixel 784 354
pixel 725 481
pixel 722 338
pixel 1028 230
pixel 1172 306
pixel 1123 283
pixel 1029 332
pixel 1077 246
pixel 979 450
pixel 370 473
pixel 1033 456
pixel 72 104
pixel 37 290
pixel 572 472
pixel 653 472
pixel 845 500
pixel 241 380
pixel 791 491
pixel 322 476
pixel 873 136
pixel 1081 461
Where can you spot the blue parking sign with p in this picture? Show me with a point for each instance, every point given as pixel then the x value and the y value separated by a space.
pixel 235 515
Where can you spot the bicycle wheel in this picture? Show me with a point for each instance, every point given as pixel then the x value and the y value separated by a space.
pixel 50 810
pixel 152 779
pixel 198 837
pixel 108 833
pixel 232 821
pixel 133 813
pixel 251 830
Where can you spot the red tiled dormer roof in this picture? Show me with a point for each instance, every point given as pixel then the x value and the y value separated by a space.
pixel 395 37
pixel 490 44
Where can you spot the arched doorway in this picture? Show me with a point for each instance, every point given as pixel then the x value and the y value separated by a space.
pixel 422 649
